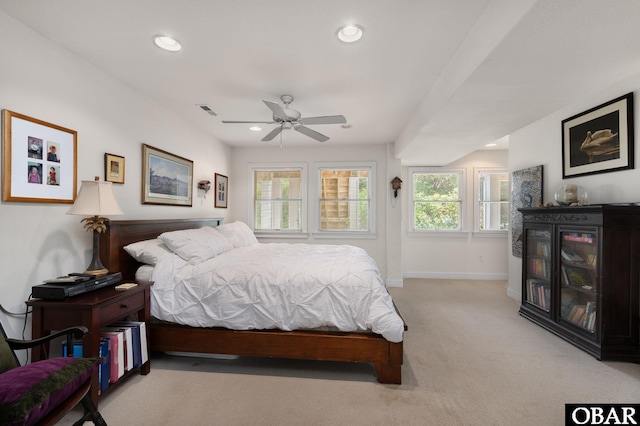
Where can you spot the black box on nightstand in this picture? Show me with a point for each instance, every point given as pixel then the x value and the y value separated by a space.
pixel 62 290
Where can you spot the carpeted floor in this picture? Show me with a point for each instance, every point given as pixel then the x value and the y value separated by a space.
pixel 470 359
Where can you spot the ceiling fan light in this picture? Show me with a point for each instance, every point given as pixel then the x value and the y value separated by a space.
pixel 350 33
pixel 167 43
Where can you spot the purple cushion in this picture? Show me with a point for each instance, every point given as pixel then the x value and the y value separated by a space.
pixel 30 392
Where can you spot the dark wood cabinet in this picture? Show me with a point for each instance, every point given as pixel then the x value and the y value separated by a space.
pixel 93 310
pixel 581 274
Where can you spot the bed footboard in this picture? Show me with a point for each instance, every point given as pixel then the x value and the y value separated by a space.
pixel 310 345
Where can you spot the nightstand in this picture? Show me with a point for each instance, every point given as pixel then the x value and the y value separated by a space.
pixel 93 310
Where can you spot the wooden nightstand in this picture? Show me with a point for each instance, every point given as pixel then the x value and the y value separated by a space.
pixel 93 310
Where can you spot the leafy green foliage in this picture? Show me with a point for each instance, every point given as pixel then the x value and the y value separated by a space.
pixel 436 201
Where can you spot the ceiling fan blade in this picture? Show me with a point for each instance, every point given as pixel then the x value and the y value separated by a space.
pixel 311 133
pixel 327 119
pixel 245 122
pixel 277 110
pixel 272 134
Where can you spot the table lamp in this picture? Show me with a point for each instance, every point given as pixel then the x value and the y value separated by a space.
pixel 95 199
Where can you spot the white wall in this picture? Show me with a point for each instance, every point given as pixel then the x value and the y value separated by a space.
pixel 241 186
pixel 465 256
pixel 541 143
pixel 38 79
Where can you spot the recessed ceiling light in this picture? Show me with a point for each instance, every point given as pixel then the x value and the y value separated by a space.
pixel 255 128
pixel 350 33
pixel 492 144
pixel 167 43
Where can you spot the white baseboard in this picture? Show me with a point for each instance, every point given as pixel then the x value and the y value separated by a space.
pixel 394 283
pixel 455 275
pixel 517 295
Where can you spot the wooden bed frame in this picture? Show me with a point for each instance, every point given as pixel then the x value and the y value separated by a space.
pixel 309 345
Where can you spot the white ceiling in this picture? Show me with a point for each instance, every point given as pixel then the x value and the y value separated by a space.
pixel 440 78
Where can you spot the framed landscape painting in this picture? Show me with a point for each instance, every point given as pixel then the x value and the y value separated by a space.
pixel 166 178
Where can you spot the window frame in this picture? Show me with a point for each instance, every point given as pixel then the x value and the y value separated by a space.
pixel 272 167
pixel 370 166
pixel 462 200
pixel 476 200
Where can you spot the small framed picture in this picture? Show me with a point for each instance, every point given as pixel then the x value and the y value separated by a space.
pixel 39 160
pixel 222 188
pixel 599 140
pixel 113 168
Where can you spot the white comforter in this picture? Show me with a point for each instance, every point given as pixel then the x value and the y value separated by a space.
pixel 277 286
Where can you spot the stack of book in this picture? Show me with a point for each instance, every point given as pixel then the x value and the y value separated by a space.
pixel 123 347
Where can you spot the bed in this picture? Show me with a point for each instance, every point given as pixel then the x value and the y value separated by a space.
pixel 365 347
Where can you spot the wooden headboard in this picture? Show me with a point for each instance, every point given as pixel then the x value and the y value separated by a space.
pixel 122 232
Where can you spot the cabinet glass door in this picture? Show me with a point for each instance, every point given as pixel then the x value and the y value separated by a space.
pixel 579 279
pixel 538 272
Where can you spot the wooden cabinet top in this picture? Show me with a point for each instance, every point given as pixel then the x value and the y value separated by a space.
pixel 93 298
pixel 597 214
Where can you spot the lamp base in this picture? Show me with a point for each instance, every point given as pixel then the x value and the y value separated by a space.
pixel 97 272
pixel 96 267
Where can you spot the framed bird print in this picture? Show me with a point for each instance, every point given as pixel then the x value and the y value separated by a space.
pixel 599 140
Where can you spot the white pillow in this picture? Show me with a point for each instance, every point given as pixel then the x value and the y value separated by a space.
pixel 238 233
pixel 147 251
pixel 196 245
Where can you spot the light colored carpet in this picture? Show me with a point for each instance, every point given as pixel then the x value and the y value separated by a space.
pixel 469 359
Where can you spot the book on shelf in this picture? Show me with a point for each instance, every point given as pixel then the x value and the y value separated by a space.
pixel 571 256
pixel 543 248
pixel 539 267
pixel 539 233
pixel 104 368
pixel 568 298
pixel 116 339
pixel 139 335
pixel 578 277
pixel 579 237
pixel 105 365
pixel 141 327
pixel 583 316
pixel 127 342
pixel 538 293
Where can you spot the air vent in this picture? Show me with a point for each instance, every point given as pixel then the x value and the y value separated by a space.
pixel 207 109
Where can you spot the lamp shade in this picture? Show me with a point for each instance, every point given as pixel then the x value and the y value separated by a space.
pixel 95 199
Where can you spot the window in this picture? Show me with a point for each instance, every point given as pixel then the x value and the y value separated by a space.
pixel 437 199
pixel 345 198
pixel 278 199
pixel 492 208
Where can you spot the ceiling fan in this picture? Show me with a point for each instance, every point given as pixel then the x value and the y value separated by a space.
pixel 287 118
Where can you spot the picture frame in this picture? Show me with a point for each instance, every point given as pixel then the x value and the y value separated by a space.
pixel 39 162
pixel 526 191
pixel 222 191
pixel 599 140
pixel 113 168
pixel 167 179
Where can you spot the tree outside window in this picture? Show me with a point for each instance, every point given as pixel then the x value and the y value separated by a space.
pixel 437 200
